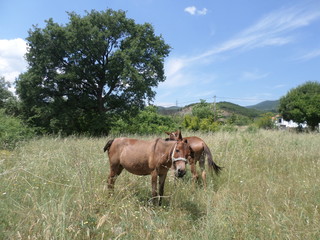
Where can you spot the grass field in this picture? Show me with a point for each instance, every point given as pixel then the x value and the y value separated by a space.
pixel 55 188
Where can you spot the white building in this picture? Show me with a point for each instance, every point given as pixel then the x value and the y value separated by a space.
pixel 282 124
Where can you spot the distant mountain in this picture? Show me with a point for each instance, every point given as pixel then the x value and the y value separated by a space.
pixel 226 109
pixel 237 109
pixel 266 106
pixel 168 110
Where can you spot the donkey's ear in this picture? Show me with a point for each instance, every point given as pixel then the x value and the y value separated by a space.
pixel 179 135
pixel 167 133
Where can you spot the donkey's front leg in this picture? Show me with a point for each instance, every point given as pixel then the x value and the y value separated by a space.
pixel 162 179
pixel 154 176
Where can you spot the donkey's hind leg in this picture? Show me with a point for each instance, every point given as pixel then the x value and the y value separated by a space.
pixel 203 171
pixel 193 162
pixel 115 171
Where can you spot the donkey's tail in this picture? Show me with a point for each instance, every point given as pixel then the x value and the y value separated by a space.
pixel 211 163
pixel 108 145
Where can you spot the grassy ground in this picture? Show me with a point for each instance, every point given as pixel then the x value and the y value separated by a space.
pixel 54 188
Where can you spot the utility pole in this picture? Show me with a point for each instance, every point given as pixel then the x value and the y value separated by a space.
pixel 214 108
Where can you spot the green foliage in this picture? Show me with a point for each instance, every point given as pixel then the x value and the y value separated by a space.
pixel 236 109
pixel 12 131
pixel 302 104
pixel 5 94
pixel 83 73
pixel 8 101
pixel 265 121
pixel 203 110
pixel 168 110
pixel 239 120
pixel 202 118
pixel 12 106
pixel 269 106
pixel 194 123
pixel 191 123
pixel 208 125
pixel 147 121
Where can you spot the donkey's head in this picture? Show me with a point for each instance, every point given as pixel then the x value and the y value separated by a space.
pixel 180 154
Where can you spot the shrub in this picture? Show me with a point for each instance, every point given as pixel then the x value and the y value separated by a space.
pixel 265 121
pixel 147 121
pixel 12 130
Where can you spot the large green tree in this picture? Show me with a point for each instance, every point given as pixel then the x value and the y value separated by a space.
pixel 302 104
pixel 94 66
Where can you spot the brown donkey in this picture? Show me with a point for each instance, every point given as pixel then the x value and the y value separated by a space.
pixel 153 157
pixel 199 149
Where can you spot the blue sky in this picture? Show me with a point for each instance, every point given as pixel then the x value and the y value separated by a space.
pixel 241 51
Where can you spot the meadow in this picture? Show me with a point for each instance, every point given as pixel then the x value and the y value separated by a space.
pixel 55 188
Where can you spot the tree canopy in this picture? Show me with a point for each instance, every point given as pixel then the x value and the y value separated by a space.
pixel 89 69
pixel 302 104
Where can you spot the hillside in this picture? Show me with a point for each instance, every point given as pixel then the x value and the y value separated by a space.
pixel 225 108
pixel 168 110
pixel 266 106
pixel 237 109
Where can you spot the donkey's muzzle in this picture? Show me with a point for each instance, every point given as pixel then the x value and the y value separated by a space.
pixel 180 173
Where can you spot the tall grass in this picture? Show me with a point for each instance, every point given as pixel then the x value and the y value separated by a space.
pixel 55 188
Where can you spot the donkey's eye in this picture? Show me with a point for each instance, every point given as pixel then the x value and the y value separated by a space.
pixel 177 150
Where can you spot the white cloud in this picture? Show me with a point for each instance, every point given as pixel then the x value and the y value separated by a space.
pixel 271 30
pixel 174 65
pixel 175 77
pixel 194 11
pixel 12 61
pixel 274 29
pixel 310 55
pixel 203 11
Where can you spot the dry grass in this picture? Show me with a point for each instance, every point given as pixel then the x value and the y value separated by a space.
pixel 55 188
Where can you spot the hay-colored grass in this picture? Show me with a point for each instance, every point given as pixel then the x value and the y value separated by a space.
pixel 55 188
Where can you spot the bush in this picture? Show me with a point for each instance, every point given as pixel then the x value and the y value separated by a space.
pixel 191 123
pixel 265 121
pixel 209 125
pixel 12 131
pixel 203 110
pixel 239 120
pixel 147 121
